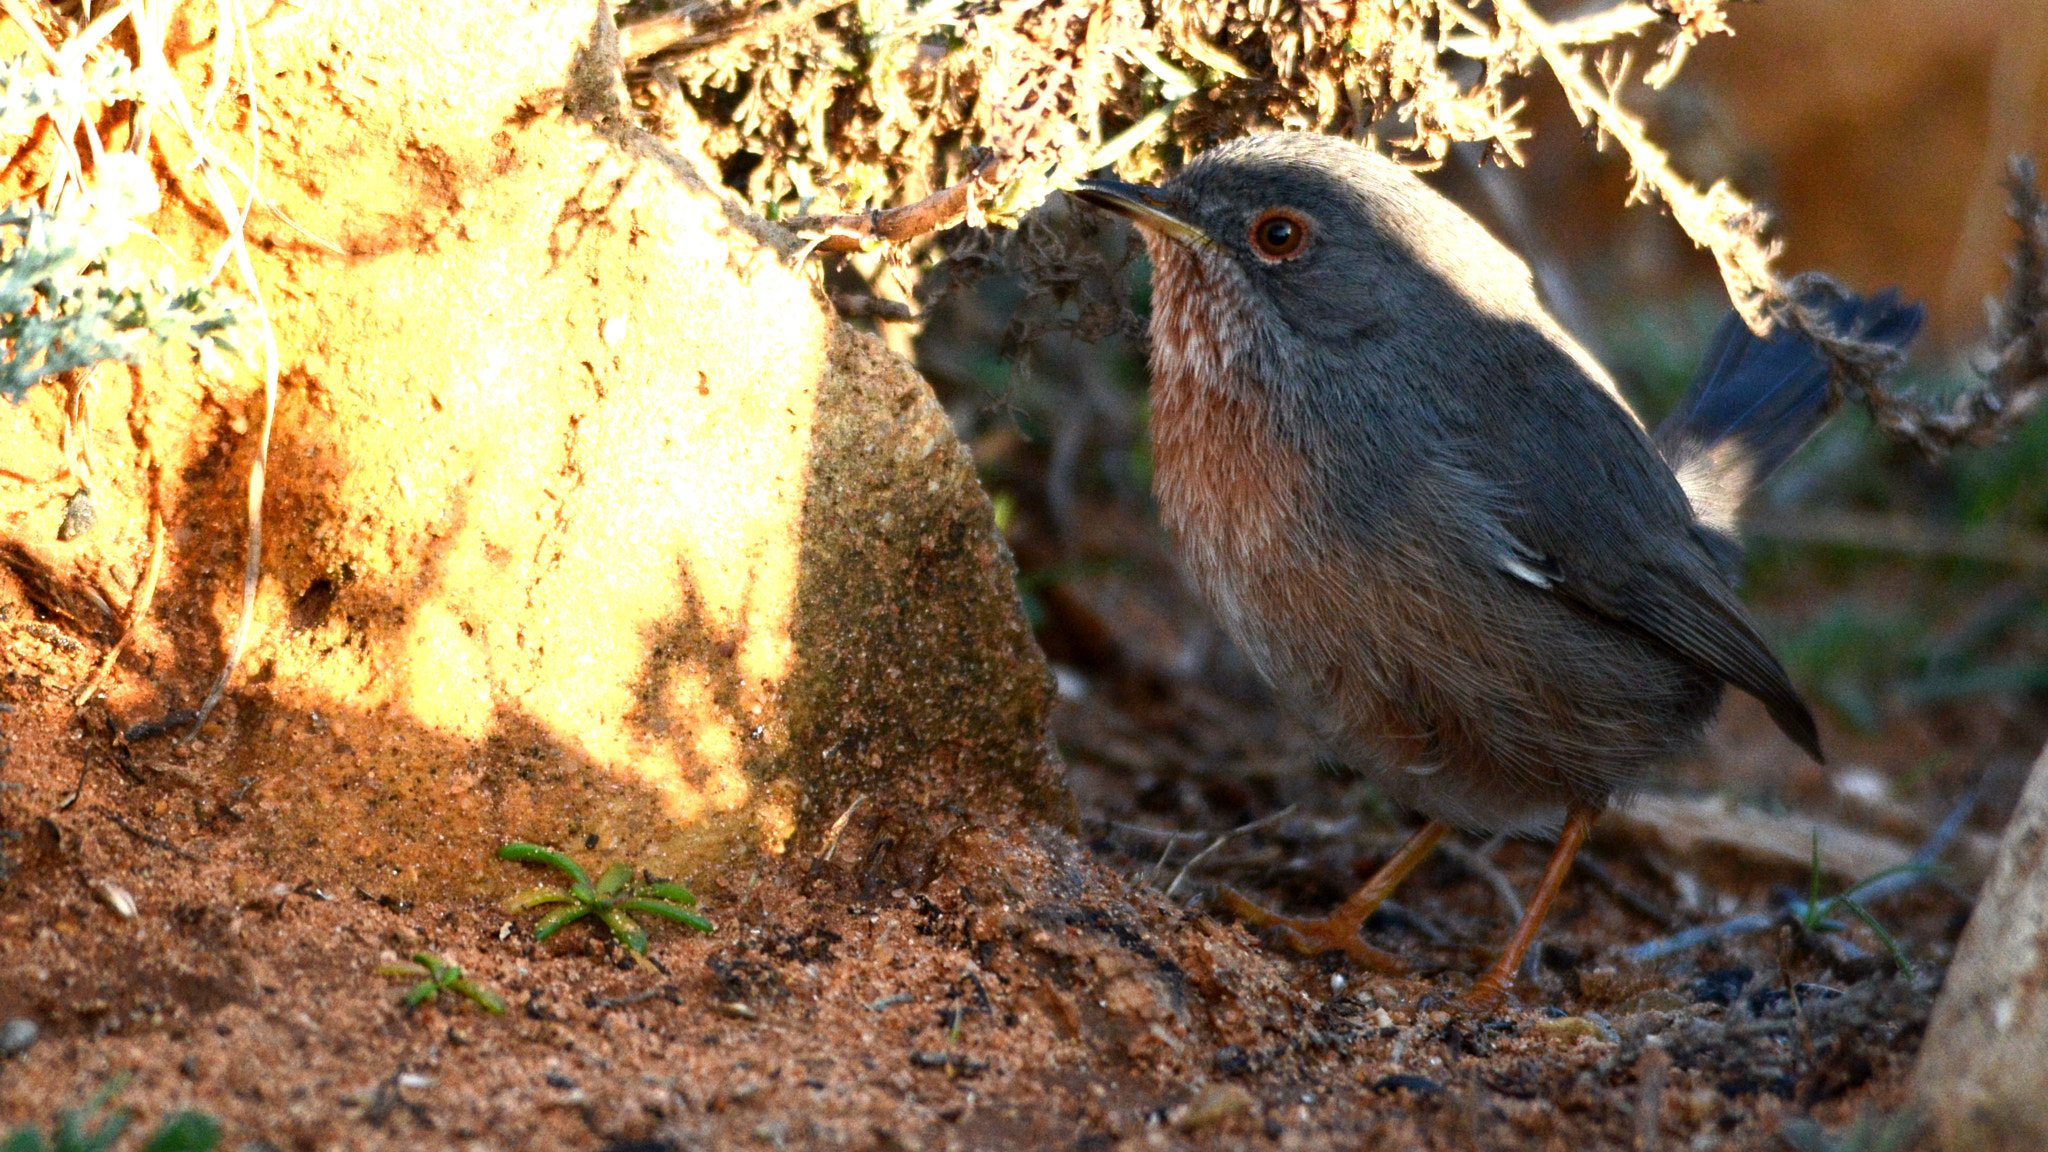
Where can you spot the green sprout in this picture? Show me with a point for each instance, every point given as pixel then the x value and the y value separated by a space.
pixel 614 899
pixel 1817 915
pixel 436 976
pixel 87 1130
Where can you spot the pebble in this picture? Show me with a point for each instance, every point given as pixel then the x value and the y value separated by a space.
pixel 16 1037
pixel 1213 1105
pixel 115 897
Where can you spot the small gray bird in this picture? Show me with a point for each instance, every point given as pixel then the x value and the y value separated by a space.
pixel 1427 515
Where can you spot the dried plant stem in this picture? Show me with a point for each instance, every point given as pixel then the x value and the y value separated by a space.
pixel 138 609
pixel 1729 226
pixel 941 209
pixel 678 30
pixel 152 21
pixel 1220 841
pixel 2018 374
pixel 1906 535
pixel 1719 219
pixel 1480 864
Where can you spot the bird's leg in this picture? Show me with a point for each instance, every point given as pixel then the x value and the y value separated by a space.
pixel 1492 988
pixel 1339 930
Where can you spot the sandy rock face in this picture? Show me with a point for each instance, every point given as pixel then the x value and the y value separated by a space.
pixel 585 517
pixel 1982 1079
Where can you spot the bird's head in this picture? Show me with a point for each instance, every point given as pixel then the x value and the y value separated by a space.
pixel 1314 239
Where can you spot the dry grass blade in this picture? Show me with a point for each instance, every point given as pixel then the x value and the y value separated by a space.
pixel 152 21
pixel 138 610
pixel 1220 841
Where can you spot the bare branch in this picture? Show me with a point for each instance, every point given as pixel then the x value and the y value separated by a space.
pixel 941 209
pixel 1719 219
pixel 1731 227
pixel 679 30
pixel 2017 376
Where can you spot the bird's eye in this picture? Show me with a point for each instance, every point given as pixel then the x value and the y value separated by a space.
pixel 1278 235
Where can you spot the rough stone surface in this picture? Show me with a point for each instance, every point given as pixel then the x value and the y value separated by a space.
pixel 1983 1072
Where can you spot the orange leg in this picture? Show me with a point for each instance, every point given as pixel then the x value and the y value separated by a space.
pixel 1492 988
pixel 1339 930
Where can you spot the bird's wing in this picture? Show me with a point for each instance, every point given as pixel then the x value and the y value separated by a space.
pixel 1680 600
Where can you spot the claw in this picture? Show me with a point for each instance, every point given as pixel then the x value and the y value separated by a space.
pixel 1311 936
pixel 1482 999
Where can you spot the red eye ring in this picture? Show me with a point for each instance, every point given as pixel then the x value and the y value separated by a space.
pixel 1279 234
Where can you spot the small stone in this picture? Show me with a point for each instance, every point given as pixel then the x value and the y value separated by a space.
pixel 115 897
pixel 1592 1029
pixel 16 1036
pixel 1419 1085
pixel 1653 1000
pixel 79 516
pixel 1213 1105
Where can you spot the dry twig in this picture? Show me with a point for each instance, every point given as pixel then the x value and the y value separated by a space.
pixel 1220 841
pixel 680 31
pixel 1731 228
pixel 138 609
pixel 2018 373
pixel 940 210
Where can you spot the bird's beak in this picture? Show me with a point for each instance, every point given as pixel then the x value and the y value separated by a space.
pixel 1141 205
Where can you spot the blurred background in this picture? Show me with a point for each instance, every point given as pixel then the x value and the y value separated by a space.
pixel 1905 595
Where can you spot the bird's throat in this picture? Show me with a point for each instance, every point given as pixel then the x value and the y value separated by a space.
pixel 1229 489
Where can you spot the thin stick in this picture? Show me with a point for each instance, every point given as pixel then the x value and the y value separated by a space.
pixel 1220 841
pixel 940 210
pixel 1479 865
pixel 1919 871
pixel 155 841
pixel 137 608
pixel 644 38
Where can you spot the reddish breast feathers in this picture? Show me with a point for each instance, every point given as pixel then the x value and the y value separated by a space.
pixel 1228 490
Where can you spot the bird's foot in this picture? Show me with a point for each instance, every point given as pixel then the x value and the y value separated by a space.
pixel 1485 998
pixel 1310 936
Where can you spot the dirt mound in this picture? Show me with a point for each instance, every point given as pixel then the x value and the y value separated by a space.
pixel 563 541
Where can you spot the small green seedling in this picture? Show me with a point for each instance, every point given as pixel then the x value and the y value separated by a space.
pixel 436 976
pixel 1818 914
pixel 87 1130
pixel 614 899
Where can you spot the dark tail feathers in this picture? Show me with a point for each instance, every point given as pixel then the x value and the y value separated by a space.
pixel 1763 399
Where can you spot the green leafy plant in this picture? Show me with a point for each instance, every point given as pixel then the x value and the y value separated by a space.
pixel 66 302
pixel 95 1129
pixel 1817 915
pixel 615 898
pixel 436 976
